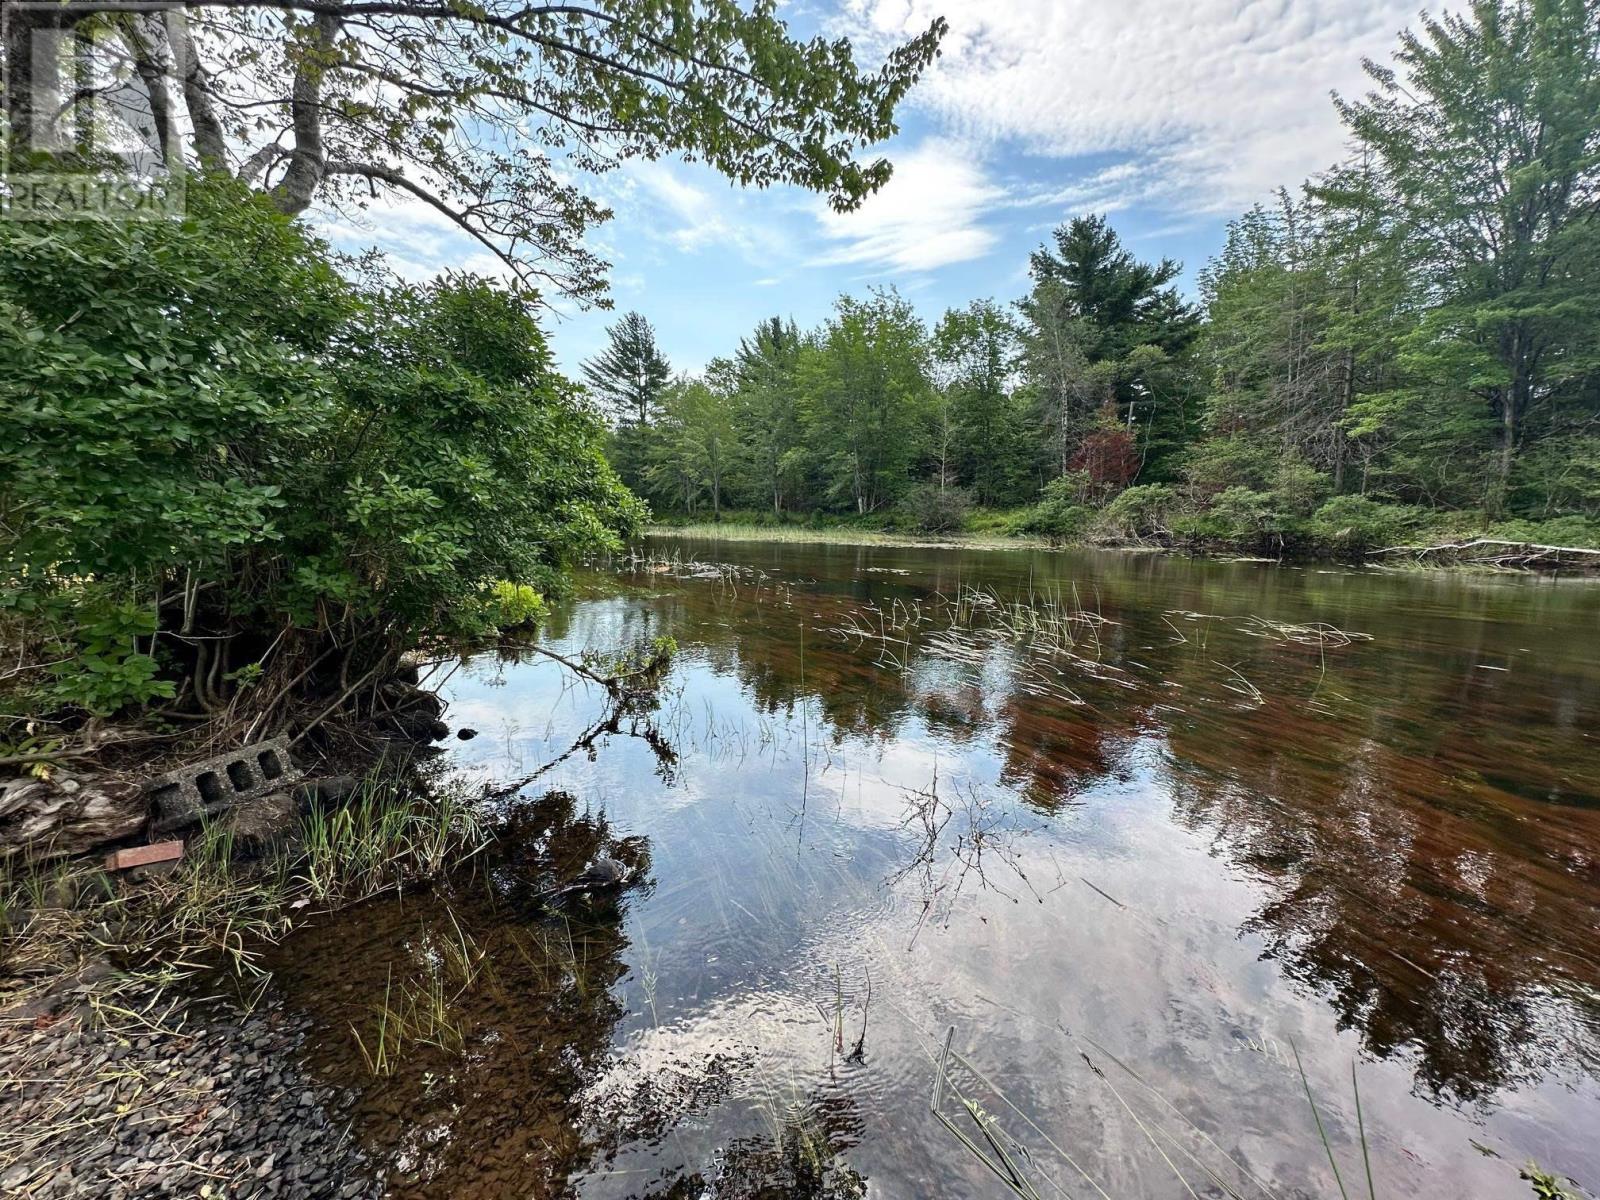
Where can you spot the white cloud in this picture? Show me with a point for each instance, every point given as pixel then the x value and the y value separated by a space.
pixel 677 210
pixel 928 215
pixel 1218 101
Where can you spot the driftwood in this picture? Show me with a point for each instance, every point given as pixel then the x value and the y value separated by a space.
pixel 1500 552
pixel 67 814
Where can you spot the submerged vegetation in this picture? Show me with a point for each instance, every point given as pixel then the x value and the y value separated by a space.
pixel 1403 352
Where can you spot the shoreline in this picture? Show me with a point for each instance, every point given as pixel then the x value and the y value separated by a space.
pixel 737 531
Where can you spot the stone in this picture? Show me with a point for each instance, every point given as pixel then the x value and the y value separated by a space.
pixel 214 785
pixel 329 790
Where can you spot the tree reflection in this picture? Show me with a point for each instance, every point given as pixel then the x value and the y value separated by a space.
pixel 1423 829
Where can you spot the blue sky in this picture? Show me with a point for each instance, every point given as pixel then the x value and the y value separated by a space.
pixel 1171 116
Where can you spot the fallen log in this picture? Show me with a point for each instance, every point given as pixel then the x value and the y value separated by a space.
pixel 1500 552
pixel 68 814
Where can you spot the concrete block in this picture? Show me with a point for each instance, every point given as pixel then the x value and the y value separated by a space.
pixel 204 789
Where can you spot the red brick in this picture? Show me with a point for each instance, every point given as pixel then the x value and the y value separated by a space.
pixel 143 856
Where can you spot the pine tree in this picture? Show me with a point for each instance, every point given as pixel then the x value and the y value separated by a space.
pixel 628 378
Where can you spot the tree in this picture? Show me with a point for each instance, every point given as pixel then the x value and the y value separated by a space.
pixel 1486 149
pixel 628 377
pixel 1106 328
pixel 1123 303
pixel 766 373
pixel 1064 388
pixel 485 111
pixel 975 354
pixel 694 449
pixel 235 471
pixel 867 389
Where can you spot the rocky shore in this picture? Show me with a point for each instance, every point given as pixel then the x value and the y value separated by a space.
pixel 193 1098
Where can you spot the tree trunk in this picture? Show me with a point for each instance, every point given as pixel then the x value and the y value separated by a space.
pixel 308 161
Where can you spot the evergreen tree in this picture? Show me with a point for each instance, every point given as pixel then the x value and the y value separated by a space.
pixel 1107 328
pixel 1122 302
pixel 627 378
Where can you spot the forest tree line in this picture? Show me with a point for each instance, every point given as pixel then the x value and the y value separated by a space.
pixel 1408 345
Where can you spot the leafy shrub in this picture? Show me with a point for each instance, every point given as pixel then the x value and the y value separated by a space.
pixel 932 509
pixel 208 425
pixel 515 605
pixel 1059 516
pixel 1357 523
pixel 1219 463
pixel 1139 512
pixel 1297 488
pixel 1577 531
pixel 1242 514
pixel 1558 475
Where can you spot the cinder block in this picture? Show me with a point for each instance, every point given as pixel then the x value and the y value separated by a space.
pixel 204 789
pixel 144 856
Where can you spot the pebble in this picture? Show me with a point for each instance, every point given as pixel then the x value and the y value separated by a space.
pixel 199 1123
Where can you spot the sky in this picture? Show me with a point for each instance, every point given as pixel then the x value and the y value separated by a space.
pixel 1170 116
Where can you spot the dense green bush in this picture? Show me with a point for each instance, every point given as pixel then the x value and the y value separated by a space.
pixel 224 458
pixel 1060 515
pixel 929 508
pixel 1558 531
pixel 1139 512
pixel 1356 523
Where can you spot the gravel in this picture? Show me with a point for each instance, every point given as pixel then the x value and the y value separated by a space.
pixel 198 1100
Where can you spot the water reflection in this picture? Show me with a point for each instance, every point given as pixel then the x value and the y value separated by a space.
pixel 1424 802
pixel 1158 821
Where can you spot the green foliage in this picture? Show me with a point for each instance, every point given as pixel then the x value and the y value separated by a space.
pixel 934 509
pixel 493 112
pixel 1413 330
pixel 222 441
pixel 516 605
pixel 982 442
pixel 1139 511
pixel 1546 1186
pixel 866 389
pixel 1353 524
pixel 1060 514
pixel 694 450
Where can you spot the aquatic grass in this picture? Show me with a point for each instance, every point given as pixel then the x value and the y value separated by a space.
pixel 728 531
pixel 421 1012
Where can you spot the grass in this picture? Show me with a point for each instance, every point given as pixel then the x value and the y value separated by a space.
pixel 843 535
pixel 421 1011
pixel 213 912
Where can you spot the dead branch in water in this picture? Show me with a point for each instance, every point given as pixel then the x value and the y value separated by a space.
pixel 1499 552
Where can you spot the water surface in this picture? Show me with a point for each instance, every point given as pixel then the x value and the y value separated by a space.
pixel 1163 864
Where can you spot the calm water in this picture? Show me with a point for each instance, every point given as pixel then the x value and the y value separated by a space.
pixel 1136 862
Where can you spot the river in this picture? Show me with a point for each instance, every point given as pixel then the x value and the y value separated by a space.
pixel 1165 851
